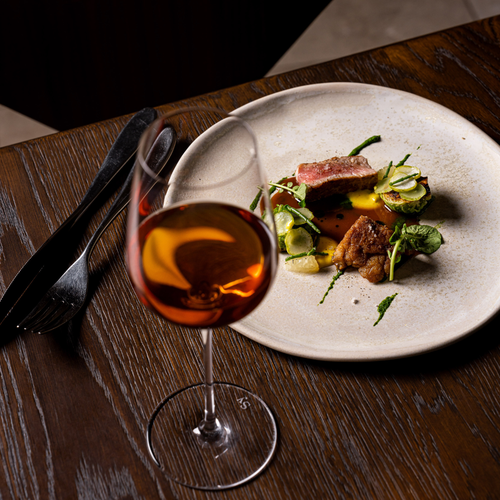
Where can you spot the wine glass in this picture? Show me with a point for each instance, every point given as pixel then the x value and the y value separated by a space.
pixel 202 253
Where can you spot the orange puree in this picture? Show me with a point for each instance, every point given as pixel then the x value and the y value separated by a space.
pixel 331 218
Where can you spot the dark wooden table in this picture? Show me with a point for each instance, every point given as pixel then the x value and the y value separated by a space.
pixel 74 403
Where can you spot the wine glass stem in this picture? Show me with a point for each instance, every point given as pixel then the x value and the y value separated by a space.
pixel 209 419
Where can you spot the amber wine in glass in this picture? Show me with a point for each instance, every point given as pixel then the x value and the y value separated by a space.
pixel 202 258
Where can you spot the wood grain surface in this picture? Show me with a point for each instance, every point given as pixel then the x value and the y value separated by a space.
pixel 74 403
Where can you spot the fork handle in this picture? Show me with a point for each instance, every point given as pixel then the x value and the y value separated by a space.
pixel 158 156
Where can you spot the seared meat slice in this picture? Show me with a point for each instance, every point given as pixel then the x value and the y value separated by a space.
pixel 365 247
pixel 336 175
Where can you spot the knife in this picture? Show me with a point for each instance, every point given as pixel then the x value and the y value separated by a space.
pixel 36 273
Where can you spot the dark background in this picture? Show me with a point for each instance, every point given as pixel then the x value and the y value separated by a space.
pixel 67 63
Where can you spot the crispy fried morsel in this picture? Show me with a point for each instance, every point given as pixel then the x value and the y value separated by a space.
pixel 376 268
pixel 365 247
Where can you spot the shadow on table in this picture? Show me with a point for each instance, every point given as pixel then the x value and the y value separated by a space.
pixel 67 335
pixel 50 274
pixel 455 356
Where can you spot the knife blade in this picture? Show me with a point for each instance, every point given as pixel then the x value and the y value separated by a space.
pixel 36 272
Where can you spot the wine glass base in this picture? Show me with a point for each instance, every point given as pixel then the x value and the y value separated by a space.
pixel 245 448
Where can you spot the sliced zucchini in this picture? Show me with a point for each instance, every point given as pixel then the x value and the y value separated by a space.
pixel 386 172
pixel 382 186
pixel 284 222
pixel 298 240
pixel 414 194
pixel 306 213
pixel 407 170
pixel 401 182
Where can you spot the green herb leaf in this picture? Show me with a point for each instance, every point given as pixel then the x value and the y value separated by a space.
pixel 388 170
pixel 394 257
pixel 399 223
pixel 332 283
pixel 402 179
pixel 403 161
pixel 383 306
pixel 296 256
pixel 425 239
pixel 422 238
pixel 371 140
pixel 346 203
pixel 298 191
pixel 256 200
pixel 295 212
pixel 274 186
pixel 305 254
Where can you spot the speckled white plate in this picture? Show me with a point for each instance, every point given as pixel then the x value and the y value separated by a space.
pixel 442 297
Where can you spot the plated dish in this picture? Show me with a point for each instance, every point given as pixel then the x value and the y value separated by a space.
pixel 442 297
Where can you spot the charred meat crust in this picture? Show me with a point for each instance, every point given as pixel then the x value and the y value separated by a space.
pixel 365 246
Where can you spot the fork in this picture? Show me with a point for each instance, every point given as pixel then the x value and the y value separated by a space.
pixel 67 296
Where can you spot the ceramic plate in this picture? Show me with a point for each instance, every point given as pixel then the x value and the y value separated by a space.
pixel 442 297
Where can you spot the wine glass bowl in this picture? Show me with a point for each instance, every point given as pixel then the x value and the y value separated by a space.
pixel 186 274
pixel 201 253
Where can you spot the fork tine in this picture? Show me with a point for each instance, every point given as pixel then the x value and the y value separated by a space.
pixel 65 314
pixel 39 313
pixel 58 317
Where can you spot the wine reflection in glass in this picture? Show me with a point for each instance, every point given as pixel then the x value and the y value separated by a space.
pixel 203 256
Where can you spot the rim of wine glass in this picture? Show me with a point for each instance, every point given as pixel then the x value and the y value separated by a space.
pixel 152 132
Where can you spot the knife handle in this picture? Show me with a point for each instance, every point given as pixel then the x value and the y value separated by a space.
pixel 121 151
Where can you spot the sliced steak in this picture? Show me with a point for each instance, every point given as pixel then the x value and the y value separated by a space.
pixel 335 176
pixel 365 247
